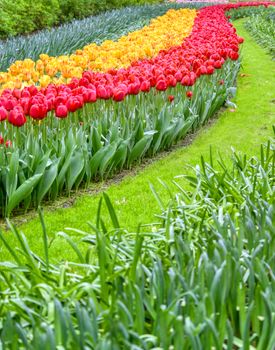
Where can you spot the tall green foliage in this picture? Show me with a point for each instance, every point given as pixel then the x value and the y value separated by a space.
pixel 261 25
pixel 202 278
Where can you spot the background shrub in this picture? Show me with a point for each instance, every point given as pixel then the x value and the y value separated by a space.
pixel 27 16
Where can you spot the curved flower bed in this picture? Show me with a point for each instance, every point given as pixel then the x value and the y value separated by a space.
pixel 212 41
pixel 68 38
pixel 162 33
pixel 166 97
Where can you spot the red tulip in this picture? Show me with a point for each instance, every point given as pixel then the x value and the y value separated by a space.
pixel 186 81
pixel 50 102
pixel 171 81
pixel 234 55
pixel 38 111
pixel 235 47
pixel 178 76
pixel 240 40
pixel 84 82
pixel 88 75
pixel 189 94
pixel 61 99
pixel 1 140
pixel 74 103
pixel 215 57
pixel 16 117
pixel 218 64
pixel 51 89
pixel 25 93
pixel 32 90
pixel 134 88
pixel 210 62
pixel 25 103
pixel 16 93
pixel 171 98
pixel 210 70
pixel 3 113
pixel 119 95
pixel 73 84
pixel 64 89
pixel 7 92
pixel 8 143
pixel 89 95
pixel 61 111
pixel 145 86
pixel 9 103
pixel 161 85
pixel 152 81
pixel 112 71
pixel 102 92
pixel 202 70
pixel 197 64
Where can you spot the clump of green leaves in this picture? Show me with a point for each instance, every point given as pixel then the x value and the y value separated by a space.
pixel 261 25
pixel 246 11
pixel 200 279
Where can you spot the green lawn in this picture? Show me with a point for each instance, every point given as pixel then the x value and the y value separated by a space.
pixel 244 129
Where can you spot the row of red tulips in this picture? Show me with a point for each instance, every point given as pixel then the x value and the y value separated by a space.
pixel 212 41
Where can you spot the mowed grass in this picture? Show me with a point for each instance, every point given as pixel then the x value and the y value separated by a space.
pixel 134 202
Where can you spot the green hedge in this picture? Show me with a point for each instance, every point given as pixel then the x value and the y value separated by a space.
pixel 27 16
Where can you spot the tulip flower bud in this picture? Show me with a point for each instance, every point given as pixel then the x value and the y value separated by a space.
pixel 61 111
pixel 189 94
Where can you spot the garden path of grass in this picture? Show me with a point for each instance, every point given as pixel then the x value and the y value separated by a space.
pixel 133 200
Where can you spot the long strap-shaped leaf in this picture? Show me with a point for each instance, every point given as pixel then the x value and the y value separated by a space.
pixel 22 192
